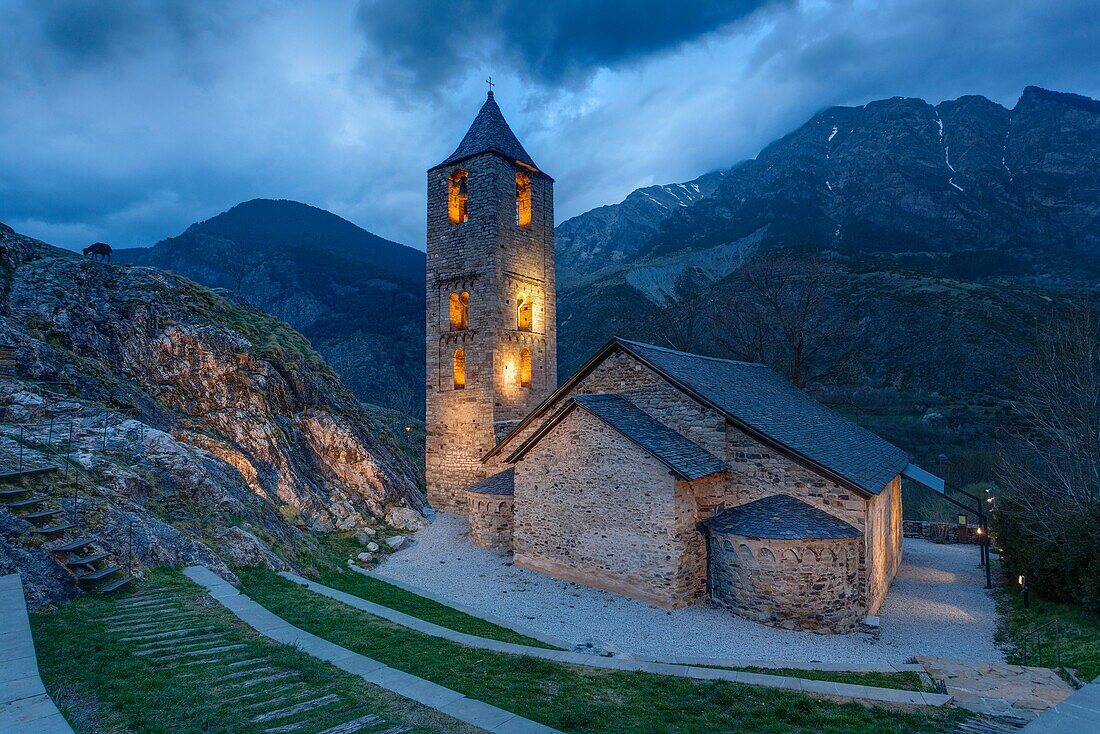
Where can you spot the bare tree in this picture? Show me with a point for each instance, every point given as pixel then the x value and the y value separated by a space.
pixel 681 314
pixel 1050 465
pixel 785 313
pixel 239 262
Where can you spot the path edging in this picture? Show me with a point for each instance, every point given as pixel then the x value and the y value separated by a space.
pixel 444 700
pixel 826 688
pixel 24 703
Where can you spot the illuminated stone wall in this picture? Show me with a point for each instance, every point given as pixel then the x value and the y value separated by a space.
pixel 793 584
pixel 497 262
pixel 594 508
pixel 490 517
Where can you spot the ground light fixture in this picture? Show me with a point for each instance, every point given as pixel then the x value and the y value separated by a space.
pixel 1022 580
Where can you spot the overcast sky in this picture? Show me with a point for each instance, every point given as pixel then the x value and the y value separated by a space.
pixel 127 120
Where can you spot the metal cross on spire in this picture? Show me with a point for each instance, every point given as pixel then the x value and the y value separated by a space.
pixel 489 81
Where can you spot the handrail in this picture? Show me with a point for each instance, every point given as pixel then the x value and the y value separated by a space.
pixel 1036 633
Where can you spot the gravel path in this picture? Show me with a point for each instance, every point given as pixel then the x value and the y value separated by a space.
pixel 937 606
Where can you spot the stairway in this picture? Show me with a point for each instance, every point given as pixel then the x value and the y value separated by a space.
pixel 93 568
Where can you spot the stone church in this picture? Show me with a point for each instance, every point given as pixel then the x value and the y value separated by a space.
pixel 670 477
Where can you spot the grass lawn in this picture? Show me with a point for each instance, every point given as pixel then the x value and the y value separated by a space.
pixel 1080 633
pixel 577 698
pixel 334 573
pixel 101 687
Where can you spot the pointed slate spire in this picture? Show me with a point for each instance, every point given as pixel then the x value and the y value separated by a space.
pixel 489 133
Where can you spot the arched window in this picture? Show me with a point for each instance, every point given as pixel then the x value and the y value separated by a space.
pixel 458 197
pixel 460 369
pixel 460 311
pixel 525 368
pixel 523 313
pixel 523 199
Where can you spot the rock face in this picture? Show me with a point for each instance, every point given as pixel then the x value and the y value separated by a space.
pixel 212 428
pixel 357 297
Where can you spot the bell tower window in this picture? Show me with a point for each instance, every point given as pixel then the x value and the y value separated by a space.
pixel 525 368
pixel 460 311
pixel 460 369
pixel 523 313
pixel 458 197
pixel 523 199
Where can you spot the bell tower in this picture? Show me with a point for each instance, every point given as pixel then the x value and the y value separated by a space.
pixel 491 336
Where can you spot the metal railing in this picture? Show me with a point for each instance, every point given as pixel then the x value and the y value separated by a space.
pixel 1031 642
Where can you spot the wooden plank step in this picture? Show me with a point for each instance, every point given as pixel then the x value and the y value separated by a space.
pixel 296 708
pixel 86 560
pixel 355 725
pixel 29 502
pixel 40 515
pixel 53 529
pixel 113 585
pixel 98 574
pixel 14 491
pixel 77 544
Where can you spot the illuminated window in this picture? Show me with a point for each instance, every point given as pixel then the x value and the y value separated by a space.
pixel 460 369
pixel 458 197
pixel 523 199
pixel 523 314
pixel 460 311
pixel 525 368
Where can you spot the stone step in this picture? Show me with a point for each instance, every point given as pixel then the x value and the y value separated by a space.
pixel 295 709
pixel 114 585
pixel 77 544
pixel 87 560
pixel 29 502
pixel 53 529
pixel 98 574
pixel 30 471
pixel 40 515
pixel 355 725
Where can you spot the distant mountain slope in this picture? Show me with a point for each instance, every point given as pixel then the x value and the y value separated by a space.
pixel 964 188
pixel 357 297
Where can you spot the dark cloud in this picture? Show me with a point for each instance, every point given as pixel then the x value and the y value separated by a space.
pixel 430 44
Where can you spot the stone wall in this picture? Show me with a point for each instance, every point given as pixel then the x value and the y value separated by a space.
pixel 496 261
pixel 594 508
pixel 883 538
pixel 490 518
pixel 805 585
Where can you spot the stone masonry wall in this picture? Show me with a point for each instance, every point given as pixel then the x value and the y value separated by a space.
pixel 490 518
pixel 883 538
pixel 496 261
pixel 805 585
pixel 594 508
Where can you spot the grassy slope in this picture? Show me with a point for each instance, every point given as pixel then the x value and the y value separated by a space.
pixel 573 698
pixel 102 688
pixel 1080 633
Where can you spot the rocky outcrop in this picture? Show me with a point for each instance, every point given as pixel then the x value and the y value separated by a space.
pixel 212 432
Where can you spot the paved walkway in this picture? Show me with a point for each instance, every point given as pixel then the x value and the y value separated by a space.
pixel 825 688
pixel 1078 714
pixel 442 699
pixel 937 606
pixel 999 689
pixel 24 705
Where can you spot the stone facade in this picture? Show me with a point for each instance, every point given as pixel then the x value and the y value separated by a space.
pixel 490 518
pixel 497 262
pixel 594 508
pixel 794 584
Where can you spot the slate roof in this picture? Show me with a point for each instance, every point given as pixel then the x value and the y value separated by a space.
pixel 754 395
pixel 489 133
pixel 683 457
pixel 781 517
pixel 500 483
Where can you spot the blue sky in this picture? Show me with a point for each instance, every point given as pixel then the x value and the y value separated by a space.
pixel 127 120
